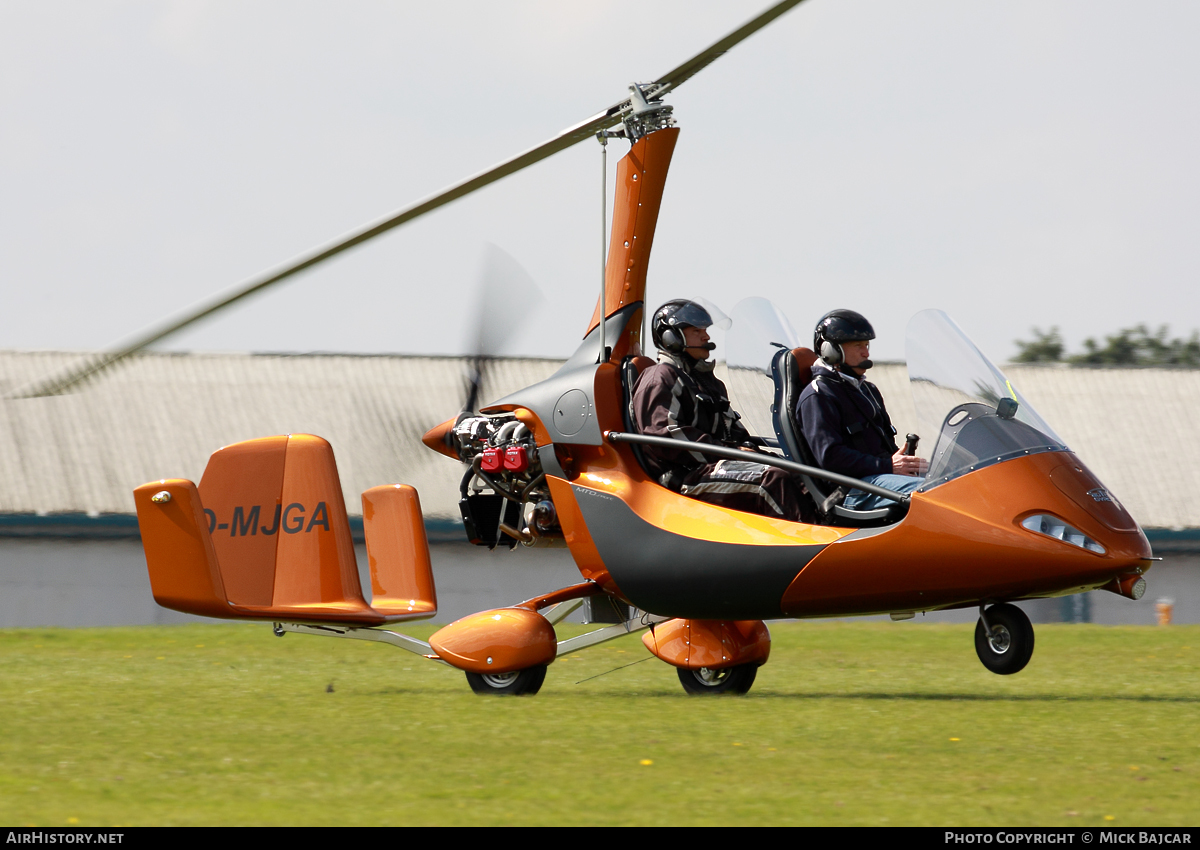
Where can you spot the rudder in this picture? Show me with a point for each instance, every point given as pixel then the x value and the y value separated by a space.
pixel 398 551
pixel 180 556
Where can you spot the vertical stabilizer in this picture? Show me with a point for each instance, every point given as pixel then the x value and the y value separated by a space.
pixel 315 557
pixel 180 556
pixel 241 491
pixel 401 574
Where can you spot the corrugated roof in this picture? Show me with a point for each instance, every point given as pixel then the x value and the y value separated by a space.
pixel 163 414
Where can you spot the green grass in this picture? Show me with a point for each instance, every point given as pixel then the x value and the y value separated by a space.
pixel 849 723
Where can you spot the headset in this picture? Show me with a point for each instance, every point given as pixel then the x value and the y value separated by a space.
pixel 836 327
pixel 666 328
pixel 832 353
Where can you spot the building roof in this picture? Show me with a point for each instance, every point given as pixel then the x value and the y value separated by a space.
pixel 162 414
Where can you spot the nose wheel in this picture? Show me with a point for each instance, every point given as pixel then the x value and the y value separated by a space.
pixel 1004 639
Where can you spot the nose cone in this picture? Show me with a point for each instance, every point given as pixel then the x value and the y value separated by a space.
pixel 1090 496
pixel 1085 490
pixel 440 440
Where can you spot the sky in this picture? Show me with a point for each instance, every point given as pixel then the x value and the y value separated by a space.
pixel 1015 164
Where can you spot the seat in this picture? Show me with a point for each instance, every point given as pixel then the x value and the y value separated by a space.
pixel 791 371
pixel 631 368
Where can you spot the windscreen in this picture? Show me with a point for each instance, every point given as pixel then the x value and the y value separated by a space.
pixel 757 331
pixel 979 416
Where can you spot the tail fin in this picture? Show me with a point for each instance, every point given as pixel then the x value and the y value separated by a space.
pixel 179 551
pixel 279 524
pixel 242 489
pixel 266 536
pixel 398 551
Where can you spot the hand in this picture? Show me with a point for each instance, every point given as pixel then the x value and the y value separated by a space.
pixel 903 464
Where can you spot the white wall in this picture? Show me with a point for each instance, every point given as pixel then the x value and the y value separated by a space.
pixel 104 583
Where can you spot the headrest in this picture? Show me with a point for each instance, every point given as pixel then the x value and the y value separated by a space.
pixel 805 358
pixel 639 363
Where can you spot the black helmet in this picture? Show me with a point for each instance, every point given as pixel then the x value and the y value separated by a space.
pixel 836 327
pixel 666 328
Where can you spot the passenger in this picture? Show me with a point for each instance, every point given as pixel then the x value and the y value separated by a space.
pixel 843 418
pixel 681 398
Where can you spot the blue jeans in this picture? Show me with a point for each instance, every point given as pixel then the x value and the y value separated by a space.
pixel 859 501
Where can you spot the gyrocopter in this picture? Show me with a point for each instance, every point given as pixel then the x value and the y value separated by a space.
pixel 1007 513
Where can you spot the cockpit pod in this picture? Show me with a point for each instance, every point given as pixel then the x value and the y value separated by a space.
pixel 1007 512
pixel 983 420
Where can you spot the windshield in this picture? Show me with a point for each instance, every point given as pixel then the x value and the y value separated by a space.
pixel 979 416
pixel 757 331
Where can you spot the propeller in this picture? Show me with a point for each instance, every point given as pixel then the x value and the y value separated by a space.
pixel 642 99
pixel 507 299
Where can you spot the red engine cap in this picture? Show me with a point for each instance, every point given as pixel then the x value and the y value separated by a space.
pixel 515 459
pixel 493 459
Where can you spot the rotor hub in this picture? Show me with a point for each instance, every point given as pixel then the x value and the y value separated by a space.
pixel 646 116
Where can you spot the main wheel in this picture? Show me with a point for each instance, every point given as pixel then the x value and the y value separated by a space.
pixel 727 680
pixel 527 681
pixel 1009 646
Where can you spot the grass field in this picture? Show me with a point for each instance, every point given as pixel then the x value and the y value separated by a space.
pixel 849 723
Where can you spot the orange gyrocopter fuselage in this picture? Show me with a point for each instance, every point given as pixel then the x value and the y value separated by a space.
pixel 266 535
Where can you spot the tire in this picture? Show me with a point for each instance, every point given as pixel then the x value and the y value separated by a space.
pixel 520 682
pixel 1010 646
pixel 727 680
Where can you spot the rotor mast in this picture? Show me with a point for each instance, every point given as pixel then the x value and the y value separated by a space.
pixel 640 181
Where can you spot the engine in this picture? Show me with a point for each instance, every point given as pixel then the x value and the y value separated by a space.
pixel 504 499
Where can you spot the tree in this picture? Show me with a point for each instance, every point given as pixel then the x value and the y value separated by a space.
pixel 1047 347
pixel 1135 346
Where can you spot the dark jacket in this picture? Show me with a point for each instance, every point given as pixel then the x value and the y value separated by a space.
pixel 677 397
pixel 847 427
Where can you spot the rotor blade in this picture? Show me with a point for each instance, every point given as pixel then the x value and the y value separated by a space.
pixel 94 364
pixel 701 60
pixel 57 384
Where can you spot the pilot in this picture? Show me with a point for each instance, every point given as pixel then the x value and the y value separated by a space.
pixel 843 417
pixel 680 397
